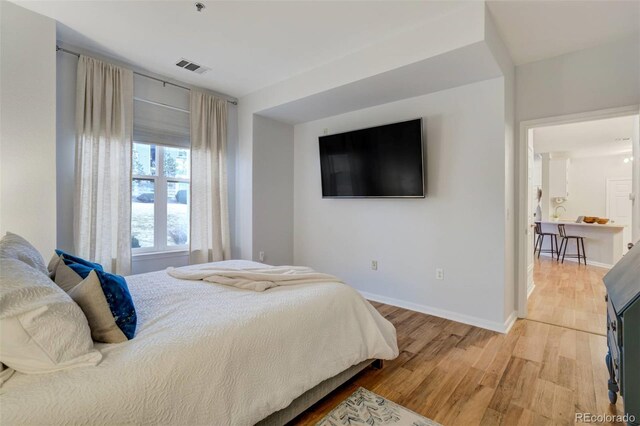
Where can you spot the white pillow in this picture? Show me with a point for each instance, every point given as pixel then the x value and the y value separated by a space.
pixel 13 246
pixel 41 328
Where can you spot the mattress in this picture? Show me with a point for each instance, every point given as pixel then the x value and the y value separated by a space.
pixel 209 354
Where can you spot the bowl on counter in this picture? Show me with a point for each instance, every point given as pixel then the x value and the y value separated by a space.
pixel 590 219
pixel 602 220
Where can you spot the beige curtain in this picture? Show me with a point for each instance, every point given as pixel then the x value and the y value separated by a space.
pixel 209 240
pixel 104 120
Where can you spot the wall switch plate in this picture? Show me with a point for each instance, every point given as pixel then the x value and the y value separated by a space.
pixel 439 274
pixel 374 265
pixel 261 255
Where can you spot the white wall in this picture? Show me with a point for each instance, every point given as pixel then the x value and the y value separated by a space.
pixel 587 80
pixel 588 184
pixel 545 202
pixel 273 191
pixel 28 126
pixel 503 58
pixel 459 226
pixel 65 146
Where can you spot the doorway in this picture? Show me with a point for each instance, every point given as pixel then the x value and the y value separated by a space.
pixel 566 173
pixel 619 206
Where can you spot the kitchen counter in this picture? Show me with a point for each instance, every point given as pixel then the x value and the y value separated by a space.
pixel 591 225
pixel 603 243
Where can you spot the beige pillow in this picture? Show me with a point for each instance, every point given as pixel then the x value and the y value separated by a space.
pixel 88 294
pixel 65 277
pixel 53 264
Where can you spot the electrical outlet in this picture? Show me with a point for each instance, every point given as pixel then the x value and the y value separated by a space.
pixel 325 131
pixel 439 274
pixel 374 265
pixel 261 255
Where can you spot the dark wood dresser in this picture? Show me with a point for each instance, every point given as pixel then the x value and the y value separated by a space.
pixel 623 331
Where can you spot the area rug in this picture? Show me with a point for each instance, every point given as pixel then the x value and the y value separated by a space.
pixel 364 407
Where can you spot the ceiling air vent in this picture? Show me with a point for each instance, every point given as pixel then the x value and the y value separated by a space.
pixel 191 66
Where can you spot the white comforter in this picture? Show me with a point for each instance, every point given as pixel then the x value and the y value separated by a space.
pixel 256 279
pixel 209 354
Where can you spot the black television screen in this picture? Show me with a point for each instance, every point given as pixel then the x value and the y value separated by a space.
pixel 383 161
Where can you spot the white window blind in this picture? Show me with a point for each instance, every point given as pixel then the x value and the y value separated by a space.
pixel 160 125
pixel 154 123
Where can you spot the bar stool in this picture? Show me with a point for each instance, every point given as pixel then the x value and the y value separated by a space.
pixel 540 241
pixel 565 243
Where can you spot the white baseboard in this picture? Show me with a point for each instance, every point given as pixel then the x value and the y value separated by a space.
pixel 530 289
pixel 453 316
pixel 510 321
pixel 589 262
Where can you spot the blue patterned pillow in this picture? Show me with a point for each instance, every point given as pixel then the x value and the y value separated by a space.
pixel 106 302
pixel 79 260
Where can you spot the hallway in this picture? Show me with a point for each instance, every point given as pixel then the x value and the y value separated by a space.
pixel 568 295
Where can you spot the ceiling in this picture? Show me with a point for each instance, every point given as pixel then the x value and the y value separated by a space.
pixel 250 45
pixel 534 30
pixel 451 69
pixel 247 44
pixel 587 139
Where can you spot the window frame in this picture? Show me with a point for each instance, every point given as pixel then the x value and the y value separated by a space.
pixel 160 216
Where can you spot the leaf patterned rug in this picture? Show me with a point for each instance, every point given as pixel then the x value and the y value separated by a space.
pixel 364 407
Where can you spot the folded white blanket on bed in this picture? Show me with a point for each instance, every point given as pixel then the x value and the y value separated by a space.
pixel 256 279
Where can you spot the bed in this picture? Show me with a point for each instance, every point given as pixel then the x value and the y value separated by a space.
pixel 212 354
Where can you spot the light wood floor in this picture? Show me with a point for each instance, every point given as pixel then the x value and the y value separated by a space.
pixel 568 295
pixel 456 374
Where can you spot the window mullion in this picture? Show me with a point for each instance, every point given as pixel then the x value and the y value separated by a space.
pixel 161 205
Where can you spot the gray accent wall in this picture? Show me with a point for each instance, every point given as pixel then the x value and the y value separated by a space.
pixel 67 67
pixel 272 191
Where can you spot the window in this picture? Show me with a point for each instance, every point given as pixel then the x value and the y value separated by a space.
pixel 159 198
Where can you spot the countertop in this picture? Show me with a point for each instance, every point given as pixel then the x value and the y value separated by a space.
pixel 589 225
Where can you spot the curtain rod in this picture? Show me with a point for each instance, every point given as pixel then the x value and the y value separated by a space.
pixel 160 104
pixel 61 49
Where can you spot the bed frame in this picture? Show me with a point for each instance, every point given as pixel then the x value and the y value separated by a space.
pixel 313 395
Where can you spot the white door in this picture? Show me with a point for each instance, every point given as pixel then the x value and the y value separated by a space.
pixel 619 206
pixel 635 220
pixel 530 216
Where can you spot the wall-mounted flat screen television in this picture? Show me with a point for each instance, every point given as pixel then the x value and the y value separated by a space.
pixel 383 161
